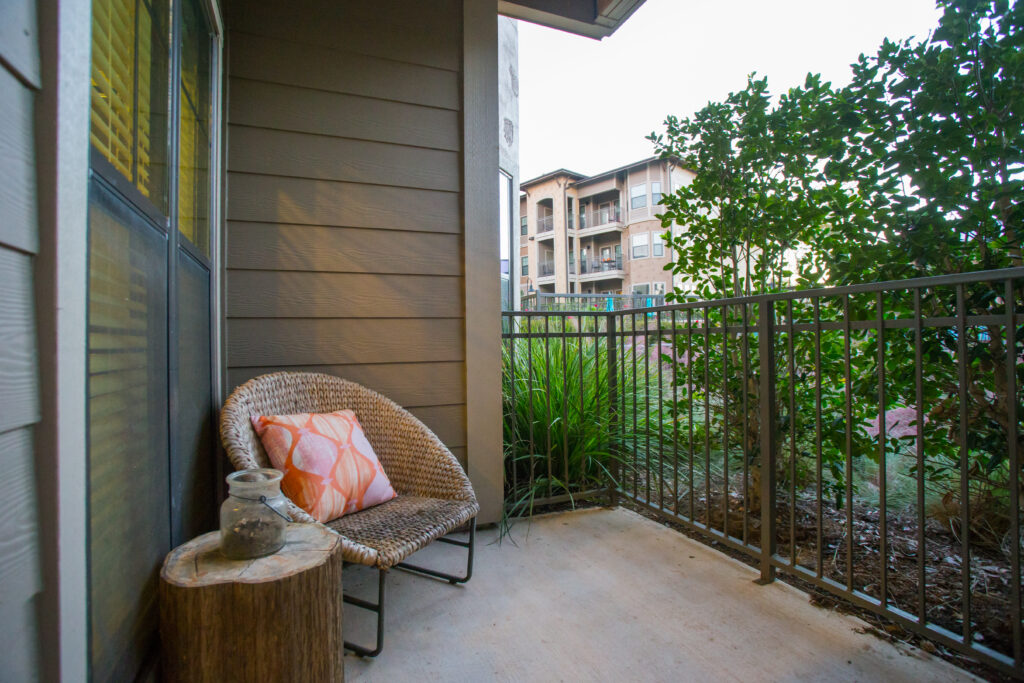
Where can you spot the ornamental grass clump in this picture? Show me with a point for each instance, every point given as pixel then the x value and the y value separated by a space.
pixel 562 435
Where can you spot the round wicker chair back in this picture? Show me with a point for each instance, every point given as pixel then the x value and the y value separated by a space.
pixel 287 393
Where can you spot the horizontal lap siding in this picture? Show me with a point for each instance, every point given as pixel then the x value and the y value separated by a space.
pixel 344 234
pixel 280 107
pixel 419 33
pixel 20 578
pixel 19 388
pixel 413 385
pixel 332 341
pixel 276 199
pixel 291 294
pixel 286 62
pixel 281 246
pixel 301 155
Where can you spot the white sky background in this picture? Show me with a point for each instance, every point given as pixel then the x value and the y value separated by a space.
pixel 586 105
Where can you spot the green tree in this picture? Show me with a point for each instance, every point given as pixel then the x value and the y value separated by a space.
pixel 915 168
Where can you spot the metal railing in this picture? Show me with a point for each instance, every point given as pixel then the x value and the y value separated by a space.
pixel 546 301
pixel 545 224
pixel 594 219
pixel 547 268
pixel 879 425
pixel 601 265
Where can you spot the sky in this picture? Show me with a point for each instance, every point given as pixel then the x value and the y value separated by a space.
pixel 587 105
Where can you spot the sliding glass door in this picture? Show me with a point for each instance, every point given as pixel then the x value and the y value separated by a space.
pixel 150 355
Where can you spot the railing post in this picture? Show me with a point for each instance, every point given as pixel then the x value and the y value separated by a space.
pixel 613 365
pixel 766 428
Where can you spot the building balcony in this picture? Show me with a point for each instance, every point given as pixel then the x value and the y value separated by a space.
pixel 545 273
pixel 600 224
pixel 602 269
pixel 545 224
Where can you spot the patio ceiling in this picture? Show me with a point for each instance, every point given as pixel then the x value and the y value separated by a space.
pixel 591 18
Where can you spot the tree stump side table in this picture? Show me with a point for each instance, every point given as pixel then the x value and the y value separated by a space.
pixel 275 618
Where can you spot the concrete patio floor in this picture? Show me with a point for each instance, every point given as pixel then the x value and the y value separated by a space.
pixel 608 595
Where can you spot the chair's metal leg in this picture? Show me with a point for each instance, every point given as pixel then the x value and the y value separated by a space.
pixel 382 576
pixel 450 578
pixel 379 609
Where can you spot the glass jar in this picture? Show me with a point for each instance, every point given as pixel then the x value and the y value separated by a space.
pixel 254 516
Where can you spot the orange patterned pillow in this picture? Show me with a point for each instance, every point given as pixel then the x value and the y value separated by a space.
pixel 329 467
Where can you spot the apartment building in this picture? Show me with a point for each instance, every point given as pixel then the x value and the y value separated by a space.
pixel 597 234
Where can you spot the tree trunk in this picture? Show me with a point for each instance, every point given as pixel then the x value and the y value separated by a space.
pixel 275 618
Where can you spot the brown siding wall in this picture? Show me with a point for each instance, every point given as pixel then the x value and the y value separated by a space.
pixel 20 578
pixel 344 237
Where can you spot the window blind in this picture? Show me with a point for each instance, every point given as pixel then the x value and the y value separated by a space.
pixel 113 81
pixel 194 135
pixel 129 95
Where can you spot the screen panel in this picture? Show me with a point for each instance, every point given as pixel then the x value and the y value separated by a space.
pixel 193 469
pixel 129 530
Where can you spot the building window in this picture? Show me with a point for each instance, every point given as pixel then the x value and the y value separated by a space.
pixel 195 128
pixel 131 62
pixel 658 245
pixel 583 216
pixel 568 211
pixel 525 265
pixel 604 214
pixel 642 289
pixel 638 196
pixel 522 225
pixel 658 288
pixel 640 244
pixel 655 193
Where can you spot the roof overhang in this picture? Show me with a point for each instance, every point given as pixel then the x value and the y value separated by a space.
pixel 592 18
pixel 572 175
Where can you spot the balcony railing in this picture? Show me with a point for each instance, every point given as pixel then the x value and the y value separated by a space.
pixel 601 265
pixel 545 224
pixel 595 219
pixel 545 301
pixel 547 268
pixel 864 439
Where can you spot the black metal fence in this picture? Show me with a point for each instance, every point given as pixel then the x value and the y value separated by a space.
pixel 865 439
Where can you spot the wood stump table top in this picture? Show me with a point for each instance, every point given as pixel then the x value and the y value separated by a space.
pixel 200 563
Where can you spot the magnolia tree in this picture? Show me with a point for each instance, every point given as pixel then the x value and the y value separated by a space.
pixel 913 169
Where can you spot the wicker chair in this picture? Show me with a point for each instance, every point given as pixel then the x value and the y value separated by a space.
pixel 434 494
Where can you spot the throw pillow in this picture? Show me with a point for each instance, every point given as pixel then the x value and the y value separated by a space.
pixel 329 467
